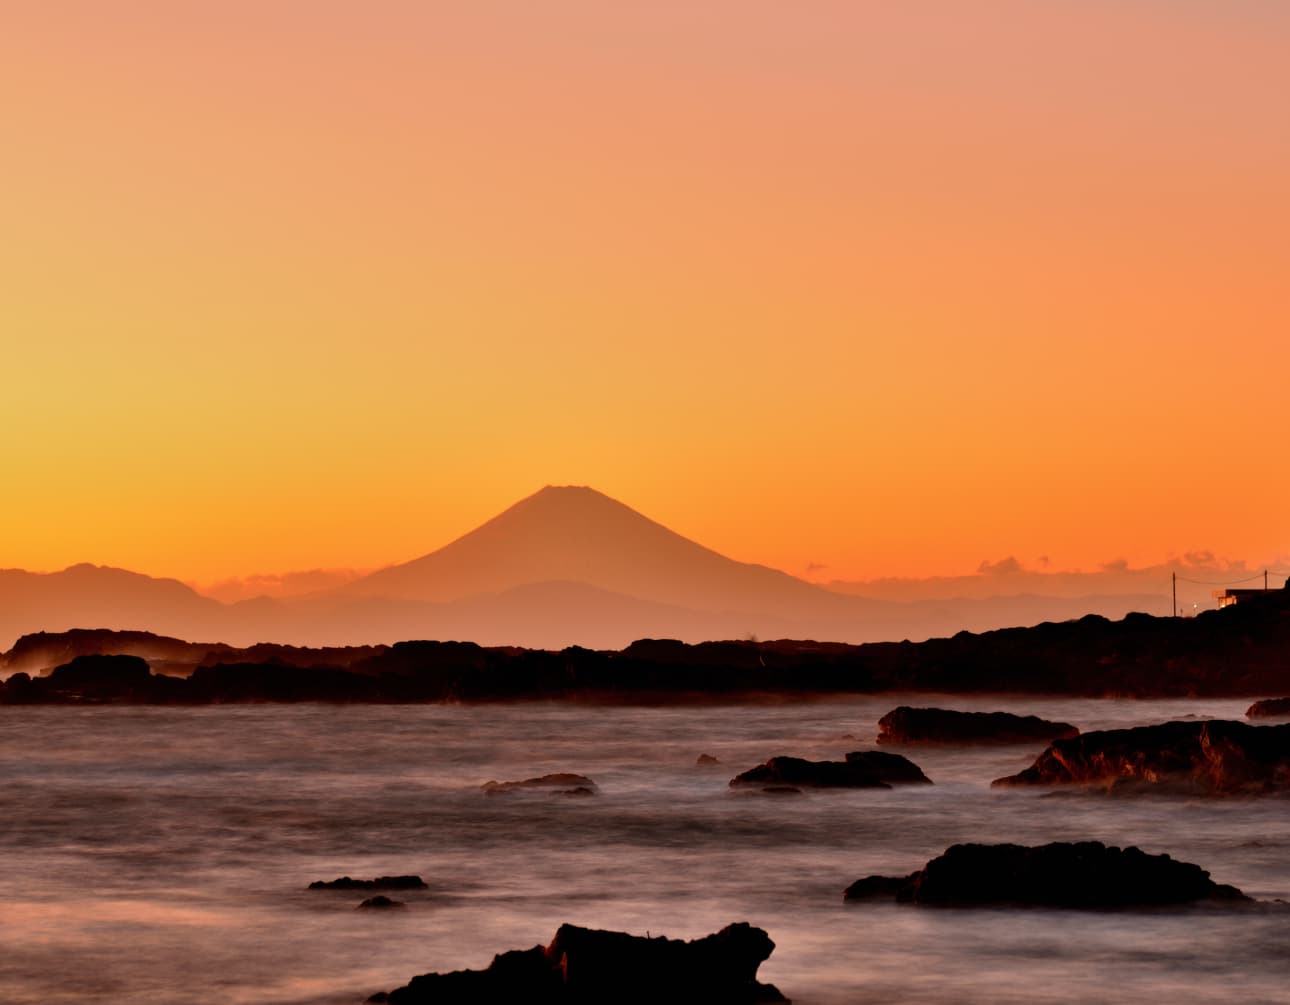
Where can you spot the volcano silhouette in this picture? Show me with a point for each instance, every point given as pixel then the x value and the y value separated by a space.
pixel 574 534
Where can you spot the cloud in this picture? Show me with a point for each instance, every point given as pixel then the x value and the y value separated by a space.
pixel 1115 565
pixel 1003 567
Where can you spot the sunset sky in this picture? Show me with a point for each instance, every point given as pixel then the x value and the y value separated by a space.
pixel 889 288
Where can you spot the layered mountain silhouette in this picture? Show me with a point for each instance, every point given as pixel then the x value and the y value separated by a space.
pixel 576 534
pixel 565 566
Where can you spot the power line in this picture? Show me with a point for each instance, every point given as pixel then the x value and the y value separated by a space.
pixel 1230 582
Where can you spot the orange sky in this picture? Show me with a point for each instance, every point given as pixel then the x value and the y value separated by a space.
pixel 893 288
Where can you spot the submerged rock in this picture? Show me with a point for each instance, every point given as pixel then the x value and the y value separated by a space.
pixel 559 780
pixel 1268 707
pixel 706 761
pixel 871 769
pixel 380 903
pixel 379 883
pixel 585 965
pixel 1212 755
pixel 1087 874
pixel 943 725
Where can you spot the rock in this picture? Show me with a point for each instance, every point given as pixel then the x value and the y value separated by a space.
pixel 559 780
pixel 861 770
pixel 380 883
pixel 942 725
pixel 101 678
pixel 888 767
pixel 881 887
pixel 581 792
pixel 1214 755
pixel 585 965
pixel 1087 874
pixel 1268 707
pixel 706 761
pixel 782 790
pixel 380 903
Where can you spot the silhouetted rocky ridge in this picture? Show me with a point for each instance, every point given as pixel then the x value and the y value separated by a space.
pixel 1240 650
pixel 584 965
pixel 1086 874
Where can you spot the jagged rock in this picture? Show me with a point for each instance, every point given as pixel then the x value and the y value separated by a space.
pixel 942 725
pixel 1087 874
pixel 861 770
pixel 583 965
pixel 558 780
pixel 1209 756
pixel 380 903
pixel 1268 707
pixel 379 883
pixel 706 761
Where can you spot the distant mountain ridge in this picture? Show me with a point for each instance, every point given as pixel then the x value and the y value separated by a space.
pixel 564 566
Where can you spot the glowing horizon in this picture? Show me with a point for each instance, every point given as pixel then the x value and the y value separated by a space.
pixel 893 292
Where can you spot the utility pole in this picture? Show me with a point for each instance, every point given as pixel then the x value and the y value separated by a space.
pixel 1265 580
pixel 1174 576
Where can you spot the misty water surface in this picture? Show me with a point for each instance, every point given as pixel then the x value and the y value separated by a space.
pixel 156 852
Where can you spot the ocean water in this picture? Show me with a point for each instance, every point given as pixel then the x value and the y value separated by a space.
pixel 156 854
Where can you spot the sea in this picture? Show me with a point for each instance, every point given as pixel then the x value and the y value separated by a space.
pixel 154 855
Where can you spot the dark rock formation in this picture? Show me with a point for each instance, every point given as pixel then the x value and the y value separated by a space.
pixel 706 761
pixel 380 883
pixel 380 903
pixel 583 965
pixel 558 780
pixel 1084 875
pixel 862 770
pixel 941 725
pixel 39 650
pixel 1269 707
pixel 1208 756
pixel 101 679
pixel 887 767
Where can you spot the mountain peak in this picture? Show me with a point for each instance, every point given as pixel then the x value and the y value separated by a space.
pixel 574 533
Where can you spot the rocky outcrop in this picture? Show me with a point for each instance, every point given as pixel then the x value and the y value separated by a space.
pixel 1087 874
pixel 1215 756
pixel 379 883
pixel 1269 707
pixel 94 678
pixel 870 769
pixel 561 780
pixel 942 725
pixel 583 965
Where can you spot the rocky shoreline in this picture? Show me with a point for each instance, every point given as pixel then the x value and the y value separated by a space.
pixel 1237 651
